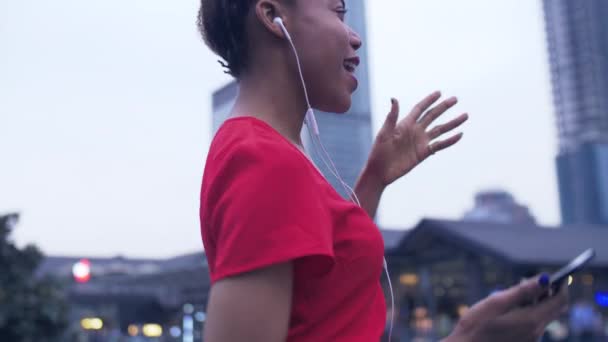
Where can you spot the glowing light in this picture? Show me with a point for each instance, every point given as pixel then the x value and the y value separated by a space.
pixel 570 280
pixel 152 330
pixel 424 324
pixel 93 323
pixel 420 312
pixel 427 324
pixel 462 310
pixel 133 330
pixel 188 308
pixel 188 325
pixel 200 316
pixel 601 298
pixel 175 331
pixel 557 330
pixel 82 271
pixel 408 279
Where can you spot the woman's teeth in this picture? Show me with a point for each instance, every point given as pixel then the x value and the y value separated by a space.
pixel 350 66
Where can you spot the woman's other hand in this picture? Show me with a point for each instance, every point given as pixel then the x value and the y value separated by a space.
pixel 505 317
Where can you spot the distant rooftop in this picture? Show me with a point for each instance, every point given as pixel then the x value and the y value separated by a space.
pixel 517 243
pixel 62 266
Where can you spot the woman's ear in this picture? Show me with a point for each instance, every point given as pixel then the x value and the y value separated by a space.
pixel 266 11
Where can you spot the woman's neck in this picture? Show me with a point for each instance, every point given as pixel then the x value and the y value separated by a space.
pixel 275 99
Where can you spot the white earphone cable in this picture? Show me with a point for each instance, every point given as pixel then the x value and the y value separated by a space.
pixel 313 130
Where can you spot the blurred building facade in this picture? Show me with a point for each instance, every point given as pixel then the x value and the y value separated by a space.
pixel 347 137
pixel 438 270
pixel 500 207
pixel 441 268
pixel 577 34
pixel 143 300
pixel 222 101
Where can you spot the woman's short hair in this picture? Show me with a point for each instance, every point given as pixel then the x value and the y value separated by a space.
pixel 222 24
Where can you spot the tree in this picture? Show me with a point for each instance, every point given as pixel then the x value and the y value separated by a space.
pixel 31 309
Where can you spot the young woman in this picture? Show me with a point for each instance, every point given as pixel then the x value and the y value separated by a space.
pixel 291 260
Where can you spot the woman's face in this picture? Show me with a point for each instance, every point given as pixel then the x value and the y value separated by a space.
pixel 327 50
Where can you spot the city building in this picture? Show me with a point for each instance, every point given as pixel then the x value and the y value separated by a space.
pixel 438 270
pixel 133 299
pixel 441 268
pixel 347 137
pixel 222 102
pixel 577 35
pixel 500 207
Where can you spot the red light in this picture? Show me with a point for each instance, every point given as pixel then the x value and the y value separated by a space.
pixel 82 271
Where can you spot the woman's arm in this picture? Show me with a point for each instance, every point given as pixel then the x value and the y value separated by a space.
pixel 252 307
pixel 369 189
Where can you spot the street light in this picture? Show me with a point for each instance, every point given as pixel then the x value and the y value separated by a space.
pixel 152 330
pixel 93 323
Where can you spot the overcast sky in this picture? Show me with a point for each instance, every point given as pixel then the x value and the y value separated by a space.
pixel 105 115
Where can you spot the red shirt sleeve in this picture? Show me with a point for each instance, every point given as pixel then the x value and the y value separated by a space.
pixel 261 207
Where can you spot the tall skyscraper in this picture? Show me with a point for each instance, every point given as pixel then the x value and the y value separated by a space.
pixel 222 102
pixel 577 33
pixel 347 137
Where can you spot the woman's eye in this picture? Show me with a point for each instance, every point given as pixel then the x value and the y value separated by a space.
pixel 342 13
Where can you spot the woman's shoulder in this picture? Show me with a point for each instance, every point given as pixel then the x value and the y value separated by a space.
pixel 246 142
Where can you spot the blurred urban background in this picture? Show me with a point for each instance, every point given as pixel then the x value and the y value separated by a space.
pixel 107 110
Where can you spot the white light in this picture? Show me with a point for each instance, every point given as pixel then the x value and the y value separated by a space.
pixel 91 323
pixel 188 325
pixel 82 270
pixel 175 331
pixel 188 308
pixel 200 316
pixel 152 330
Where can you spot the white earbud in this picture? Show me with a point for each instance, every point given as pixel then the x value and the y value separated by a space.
pixel 311 121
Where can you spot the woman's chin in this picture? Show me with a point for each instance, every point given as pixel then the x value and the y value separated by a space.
pixel 338 105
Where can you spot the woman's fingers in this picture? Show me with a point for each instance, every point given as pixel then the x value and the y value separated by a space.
pixel 423 105
pixel 443 144
pixel 515 296
pixel 436 112
pixel 442 129
pixel 501 317
pixel 392 117
pixel 550 309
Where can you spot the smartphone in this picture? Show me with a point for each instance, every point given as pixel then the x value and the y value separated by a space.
pixel 557 279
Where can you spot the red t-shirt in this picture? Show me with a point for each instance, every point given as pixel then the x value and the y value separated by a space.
pixel 262 203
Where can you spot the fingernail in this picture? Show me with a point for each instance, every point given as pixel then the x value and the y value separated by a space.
pixel 543 280
pixel 392 100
